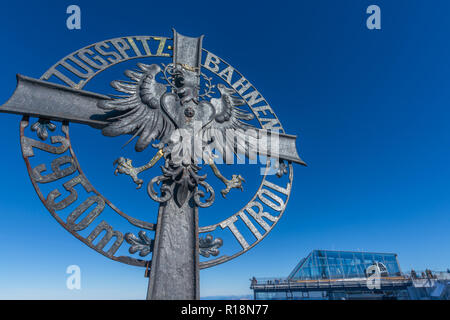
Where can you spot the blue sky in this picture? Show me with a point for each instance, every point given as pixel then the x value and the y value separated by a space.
pixel 370 109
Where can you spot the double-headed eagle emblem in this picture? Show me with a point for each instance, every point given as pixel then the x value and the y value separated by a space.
pixel 150 113
pixel 182 125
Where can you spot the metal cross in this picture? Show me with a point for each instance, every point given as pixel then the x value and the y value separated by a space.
pixel 174 271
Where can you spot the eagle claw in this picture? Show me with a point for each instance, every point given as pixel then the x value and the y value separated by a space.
pixel 235 182
pixel 125 166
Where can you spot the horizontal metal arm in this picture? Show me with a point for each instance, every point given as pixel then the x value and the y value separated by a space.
pixel 47 100
pixel 38 98
pixel 285 147
pixel 269 143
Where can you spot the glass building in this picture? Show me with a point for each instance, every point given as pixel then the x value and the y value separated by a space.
pixel 332 275
pixel 324 264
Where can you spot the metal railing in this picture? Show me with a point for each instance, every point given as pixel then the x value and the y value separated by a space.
pixel 428 274
pixel 283 284
pixel 419 274
pixel 404 279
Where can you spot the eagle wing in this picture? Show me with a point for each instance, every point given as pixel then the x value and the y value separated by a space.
pixel 141 113
pixel 227 133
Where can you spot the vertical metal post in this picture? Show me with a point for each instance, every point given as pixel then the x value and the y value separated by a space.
pixel 174 272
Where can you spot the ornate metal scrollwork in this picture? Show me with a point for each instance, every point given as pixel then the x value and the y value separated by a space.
pixel 208 246
pixel 201 194
pixel 143 244
pixel 41 126
pixel 166 191
pixel 282 169
pixel 181 180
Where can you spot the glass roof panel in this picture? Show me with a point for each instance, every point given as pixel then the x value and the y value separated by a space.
pixel 321 264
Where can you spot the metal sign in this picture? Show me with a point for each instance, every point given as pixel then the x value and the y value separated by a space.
pixel 191 119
